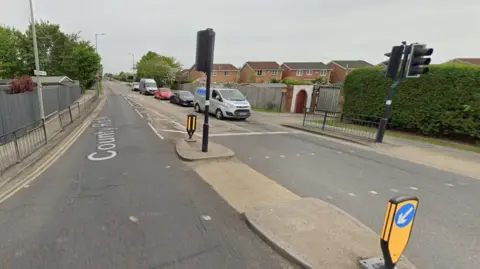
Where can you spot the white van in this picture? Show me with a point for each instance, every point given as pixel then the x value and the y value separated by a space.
pixel 147 86
pixel 224 103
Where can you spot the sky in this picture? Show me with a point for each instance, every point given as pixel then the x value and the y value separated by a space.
pixel 260 30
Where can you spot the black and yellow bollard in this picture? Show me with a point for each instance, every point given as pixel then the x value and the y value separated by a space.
pixel 191 126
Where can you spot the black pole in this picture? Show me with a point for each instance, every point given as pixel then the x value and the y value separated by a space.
pixel 386 111
pixel 207 113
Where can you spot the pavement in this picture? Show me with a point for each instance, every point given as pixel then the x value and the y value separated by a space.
pixel 119 197
pixel 192 151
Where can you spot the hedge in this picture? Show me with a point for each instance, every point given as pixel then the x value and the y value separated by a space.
pixel 443 103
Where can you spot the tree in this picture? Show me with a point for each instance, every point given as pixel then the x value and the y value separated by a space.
pixel 11 62
pixel 86 62
pixel 163 69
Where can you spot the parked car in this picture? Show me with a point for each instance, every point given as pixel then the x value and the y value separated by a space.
pixel 183 98
pixel 224 103
pixel 163 93
pixel 135 86
pixel 147 86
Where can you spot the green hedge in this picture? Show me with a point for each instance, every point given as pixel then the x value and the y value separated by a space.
pixel 443 103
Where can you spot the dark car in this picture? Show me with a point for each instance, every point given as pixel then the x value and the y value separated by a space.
pixel 183 98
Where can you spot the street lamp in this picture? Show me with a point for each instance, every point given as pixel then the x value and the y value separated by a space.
pixel 133 64
pixel 37 65
pixel 96 50
pixel 96 42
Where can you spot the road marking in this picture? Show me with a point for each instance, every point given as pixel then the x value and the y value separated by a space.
pixel 236 126
pixel 449 185
pixel 282 156
pixel 168 166
pixel 329 197
pixel 52 159
pixel 394 190
pixel 139 113
pixel 206 217
pixel 161 115
pixel 312 154
pixel 351 194
pixel 174 131
pixel 148 117
pixel 414 188
pixel 130 103
pixel 252 133
pixel 298 154
pixel 133 219
pixel 155 131
pixel 267 157
pixel 340 152
pixel 373 192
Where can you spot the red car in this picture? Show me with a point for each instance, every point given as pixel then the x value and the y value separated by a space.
pixel 163 94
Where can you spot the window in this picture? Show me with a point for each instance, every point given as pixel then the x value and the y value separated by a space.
pixel 227 74
pixel 309 72
pixel 214 73
pixel 274 72
pixel 299 73
pixel 259 72
pixel 323 73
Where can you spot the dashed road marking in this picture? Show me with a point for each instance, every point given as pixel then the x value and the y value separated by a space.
pixel 138 112
pixel 298 154
pixel 168 166
pixel 312 153
pixel 340 152
pixel 267 157
pixel 394 190
pixel 282 156
pixel 373 192
pixel 413 188
pixel 155 131
pixel 449 185
pixel 133 219
pixel 352 194
pixel 206 217
pixel 250 133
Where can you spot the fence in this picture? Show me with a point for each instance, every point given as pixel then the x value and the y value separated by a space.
pixel 328 98
pixel 266 96
pixel 18 110
pixel 356 126
pixel 19 144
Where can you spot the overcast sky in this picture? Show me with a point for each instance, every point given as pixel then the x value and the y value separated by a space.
pixel 260 30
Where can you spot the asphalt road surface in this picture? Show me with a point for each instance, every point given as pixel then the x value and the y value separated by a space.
pixel 120 198
pixel 447 227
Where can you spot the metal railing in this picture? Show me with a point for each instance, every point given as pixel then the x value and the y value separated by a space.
pixel 21 143
pixel 356 126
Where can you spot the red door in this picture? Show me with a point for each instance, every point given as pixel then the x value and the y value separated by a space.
pixel 300 102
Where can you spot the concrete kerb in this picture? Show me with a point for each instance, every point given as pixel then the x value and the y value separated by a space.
pixel 192 151
pixel 332 135
pixel 14 172
pixel 316 234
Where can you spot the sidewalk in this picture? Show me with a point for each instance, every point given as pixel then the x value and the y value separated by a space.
pixel 457 161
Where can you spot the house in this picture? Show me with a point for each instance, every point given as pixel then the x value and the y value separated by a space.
pixel 472 61
pixel 340 69
pixel 305 71
pixel 221 73
pixel 260 72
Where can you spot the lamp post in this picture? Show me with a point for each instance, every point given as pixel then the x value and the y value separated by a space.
pixel 37 64
pixel 133 65
pixel 96 50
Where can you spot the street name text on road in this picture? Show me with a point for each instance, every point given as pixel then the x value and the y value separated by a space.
pixel 105 140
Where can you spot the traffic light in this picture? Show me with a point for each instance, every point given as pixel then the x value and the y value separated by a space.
pixel 394 62
pixel 417 62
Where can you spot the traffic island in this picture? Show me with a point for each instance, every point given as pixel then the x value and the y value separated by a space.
pixel 192 151
pixel 316 234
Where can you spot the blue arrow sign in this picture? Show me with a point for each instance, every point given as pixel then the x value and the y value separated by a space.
pixel 404 215
pixel 201 91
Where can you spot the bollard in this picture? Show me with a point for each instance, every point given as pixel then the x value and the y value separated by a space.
pixel 191 126
pixel 396 231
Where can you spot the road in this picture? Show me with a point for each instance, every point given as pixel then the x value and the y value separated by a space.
pixel 121 198
pixel 358 181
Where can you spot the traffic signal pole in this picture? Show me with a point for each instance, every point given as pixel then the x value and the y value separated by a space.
pixel 388 103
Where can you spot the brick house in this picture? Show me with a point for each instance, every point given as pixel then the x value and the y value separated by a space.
pixel 340 69
pixel 260 72
pixel 220 73
pixel 472 61
pixel 305 71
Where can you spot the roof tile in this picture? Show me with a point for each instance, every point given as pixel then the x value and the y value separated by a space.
pixel 263 65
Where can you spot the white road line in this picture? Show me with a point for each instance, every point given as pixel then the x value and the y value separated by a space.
pixel 130 103
pixel 174 131
pixel 158 114
pixel 267 157
pixel 298 154
pixel 140 114
pixel 351 194
pixel 373 192
pixel 282 156
pixel 329 197
pixel 312 153
pixel 394 190
pixel 236 126
pixel 252 133
pixel 148 118
pixel 449 185
pixel 414 188
pixel 155 131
